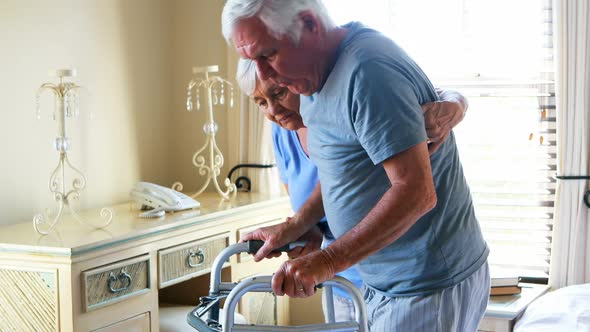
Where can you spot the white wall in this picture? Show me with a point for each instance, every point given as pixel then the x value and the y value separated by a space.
pixel 197 41
pixel 133 59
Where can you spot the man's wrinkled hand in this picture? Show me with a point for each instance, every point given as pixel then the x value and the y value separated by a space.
pixel 274 237
pixel 299 277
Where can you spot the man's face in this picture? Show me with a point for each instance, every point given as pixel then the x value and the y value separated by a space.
pixel 279 60
pixel 278 104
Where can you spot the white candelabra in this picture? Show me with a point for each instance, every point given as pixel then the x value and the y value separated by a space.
pixel 66 105
pixel 214 89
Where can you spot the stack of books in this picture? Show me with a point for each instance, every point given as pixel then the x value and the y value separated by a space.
pixel 505 285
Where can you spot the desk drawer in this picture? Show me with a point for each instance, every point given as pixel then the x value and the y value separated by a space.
pixel 138 323
pixel 115 282
pixel 188 260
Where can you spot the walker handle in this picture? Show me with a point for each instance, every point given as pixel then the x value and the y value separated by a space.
pixel 254 245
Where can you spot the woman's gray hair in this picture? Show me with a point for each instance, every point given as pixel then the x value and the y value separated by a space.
pixel 279 16
pixel 246 76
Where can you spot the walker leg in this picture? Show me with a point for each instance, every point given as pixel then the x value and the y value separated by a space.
pixel 329 304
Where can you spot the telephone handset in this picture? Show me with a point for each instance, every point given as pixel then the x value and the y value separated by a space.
pixel 161 199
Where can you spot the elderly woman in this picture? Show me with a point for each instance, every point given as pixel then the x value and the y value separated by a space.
pixel 300 175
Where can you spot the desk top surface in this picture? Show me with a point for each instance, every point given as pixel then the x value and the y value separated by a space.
pixel 70 237
pixel 512 306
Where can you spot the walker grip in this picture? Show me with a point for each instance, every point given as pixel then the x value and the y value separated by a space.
pixel 254 245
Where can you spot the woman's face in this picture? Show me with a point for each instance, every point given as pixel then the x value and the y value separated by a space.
pixel 278 104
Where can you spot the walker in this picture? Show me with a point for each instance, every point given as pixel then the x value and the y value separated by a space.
pixel 205 317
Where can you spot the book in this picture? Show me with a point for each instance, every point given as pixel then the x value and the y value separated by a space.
pixel 500 279
pixel 506 281
pixel 505 290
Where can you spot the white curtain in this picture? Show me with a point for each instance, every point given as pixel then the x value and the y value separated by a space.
pixel 249 139
pixel 570 261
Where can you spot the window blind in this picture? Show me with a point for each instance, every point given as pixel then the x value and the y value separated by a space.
pixel 507 145
pixel 499 54
pixel 510 172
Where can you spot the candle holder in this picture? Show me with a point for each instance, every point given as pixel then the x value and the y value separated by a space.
pixel 209 166
pixel 66 105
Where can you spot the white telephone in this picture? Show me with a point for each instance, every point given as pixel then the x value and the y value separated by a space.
pixel 161 199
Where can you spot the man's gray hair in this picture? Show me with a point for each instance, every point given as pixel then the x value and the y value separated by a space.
pixel 279 16
pixel 246 76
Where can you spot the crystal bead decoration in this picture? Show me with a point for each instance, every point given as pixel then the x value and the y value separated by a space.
pixel 76 106
pixel 68 104
pixel 71 104
pixel 61 144
pixel 215 101
pixel 222 96
pixel 189 104
pixel 231 97
pixel 210 128
pixel 189 101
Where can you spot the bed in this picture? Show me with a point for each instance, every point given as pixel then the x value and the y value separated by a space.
pixel 566 309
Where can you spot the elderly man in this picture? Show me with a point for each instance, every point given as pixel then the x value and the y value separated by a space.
pixel 404 217
pixel 299 174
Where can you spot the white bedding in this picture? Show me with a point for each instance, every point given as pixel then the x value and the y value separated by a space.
pixel 566 309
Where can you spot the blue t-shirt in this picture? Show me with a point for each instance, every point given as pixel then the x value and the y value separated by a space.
pixel 367 111
pixel 301 175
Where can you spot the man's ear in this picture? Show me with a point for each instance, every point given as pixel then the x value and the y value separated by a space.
pixel 309 20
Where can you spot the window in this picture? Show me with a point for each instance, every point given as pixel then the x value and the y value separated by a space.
pixel 500 55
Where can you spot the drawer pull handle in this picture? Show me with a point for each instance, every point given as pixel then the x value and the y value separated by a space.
pixel 125 279
pixel 199 255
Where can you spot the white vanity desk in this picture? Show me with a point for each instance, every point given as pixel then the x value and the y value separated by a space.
pixel 83 279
